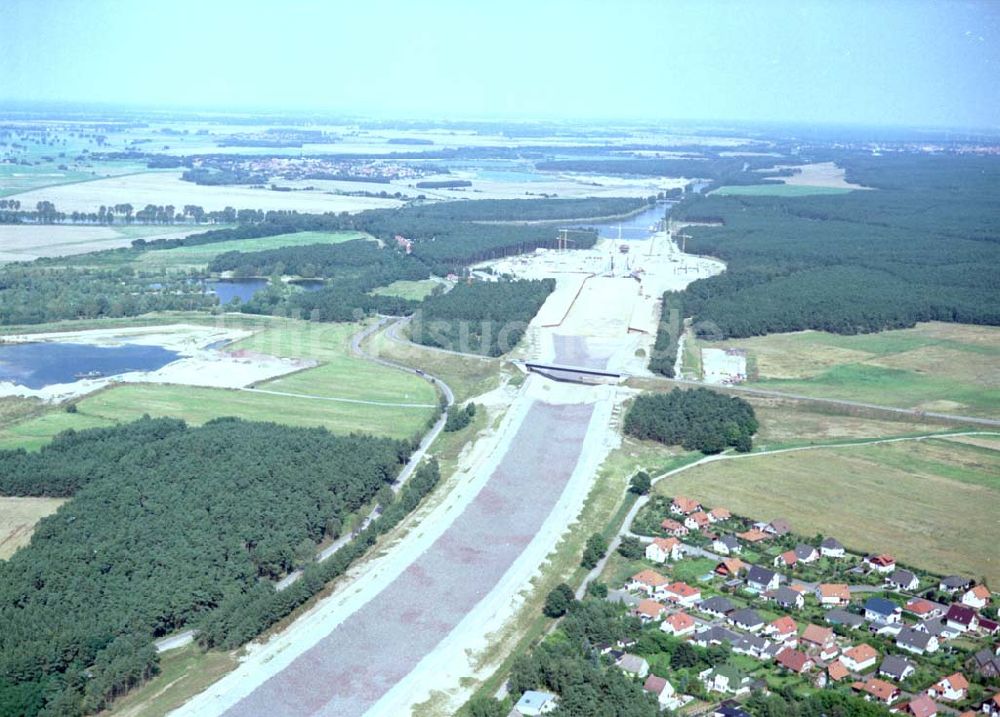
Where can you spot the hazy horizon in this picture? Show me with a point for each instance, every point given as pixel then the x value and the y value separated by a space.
pixel 893 64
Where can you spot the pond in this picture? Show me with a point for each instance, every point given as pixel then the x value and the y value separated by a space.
pixel 229 289
pixel 37 365
pixel 308 284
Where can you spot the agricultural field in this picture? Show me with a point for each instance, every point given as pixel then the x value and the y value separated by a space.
pixel 947 368
pixel 25 242
pixel 200 255
pixel 903 498
pixel 17 520
pixel 166 187
pixel 415 290
pixel 777 189
pixel 17 178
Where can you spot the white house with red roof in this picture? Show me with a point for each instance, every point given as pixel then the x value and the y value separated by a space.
pixel 649 582
pixel 977 597
pixel 953 688
pixel 682 594
pixel 663 549
pixel 679 624
pixel 684 506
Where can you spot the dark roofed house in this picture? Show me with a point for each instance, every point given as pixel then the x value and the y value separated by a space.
pixel 932 626
pixel 961 618
pixel 896 667
pixel 715 635
pixel 916 642
pixel 717 605
pixel 779 527
pixel 786 598
pixel 903 579
pixel 746 619
pixel 806 553
pixel 730 710
pixel 880 610
pixel 831 548
pixel 727 545
pixel 838 616
pixel 954 582
pixel 762 579
pixel 987 662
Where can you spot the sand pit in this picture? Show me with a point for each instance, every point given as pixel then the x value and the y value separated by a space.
pixel 200 362
pixel 162 188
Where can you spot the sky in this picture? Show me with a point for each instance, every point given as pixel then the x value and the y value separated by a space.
pixel 911 63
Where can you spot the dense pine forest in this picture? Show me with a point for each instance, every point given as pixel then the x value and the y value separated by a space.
pixel 698 420
pixel 484 317
pixel 167 525
pixel 922 245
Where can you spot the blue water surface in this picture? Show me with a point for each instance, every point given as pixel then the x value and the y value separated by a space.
pixel 37 365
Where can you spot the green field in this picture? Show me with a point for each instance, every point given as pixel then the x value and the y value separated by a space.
pixel 948 368
pixel 930 503
pixel 199 255
pixel 339 375
pixel 17 178
pixel 415 290
pixel 776 189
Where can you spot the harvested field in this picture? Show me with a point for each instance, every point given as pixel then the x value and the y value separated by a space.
pixel 167 188
pixel 899 498
pixel 17 520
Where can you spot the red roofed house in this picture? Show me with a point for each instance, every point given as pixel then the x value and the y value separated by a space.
pixel 648 610
pixel 881 563
pixel 672 527
pixel 795 661
pixel 753 535
pixel 833 594
pixel 880 690
pixel 719 514
pixel 679 624
pixel 923 609
pixel 783 630
pixel 684 506
pixel 730 567
pixel 860 658
pixel 977 597
pixel 837 671
pixel 786 559
pixel 663 690
pixel 663 549
pixel 919 706
pixel 649 582
pixel 682 594
pixel 816 636
pixel 953 688
pixel 697 521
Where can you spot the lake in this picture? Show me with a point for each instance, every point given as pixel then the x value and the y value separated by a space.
pixel 229 289
pixel 37 365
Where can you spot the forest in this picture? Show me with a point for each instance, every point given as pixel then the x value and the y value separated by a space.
pixel 922 246
pixel 484 317
pixel 166 525
pixel 698 420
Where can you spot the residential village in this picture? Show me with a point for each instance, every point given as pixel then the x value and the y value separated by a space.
pixel 774 611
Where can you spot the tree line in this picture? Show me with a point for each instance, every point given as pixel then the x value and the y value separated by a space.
pixel 698 420
pixel 168 525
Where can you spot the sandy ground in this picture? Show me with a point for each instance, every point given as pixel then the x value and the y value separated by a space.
pixel 824 174
pixel 163 188
pixel 553 183
pixel 25 242
pixel 198 365
pixel 720 366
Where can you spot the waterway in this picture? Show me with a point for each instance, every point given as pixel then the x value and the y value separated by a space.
pixel 41 364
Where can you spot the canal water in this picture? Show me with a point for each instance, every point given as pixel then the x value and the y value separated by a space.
pixel 37 365
pixel 635 227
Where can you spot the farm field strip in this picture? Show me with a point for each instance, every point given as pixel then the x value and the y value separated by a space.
pixel 17 520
